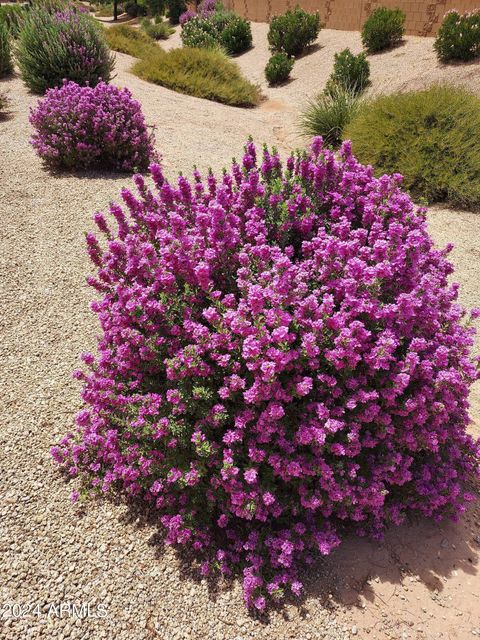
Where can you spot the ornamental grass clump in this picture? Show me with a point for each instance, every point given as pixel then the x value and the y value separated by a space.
pixel 62 45
pixel 281 356
pixel 6 61
pixel 82 127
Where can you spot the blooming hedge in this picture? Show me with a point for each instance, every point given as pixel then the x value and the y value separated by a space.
pixel 78 127
pixel 281 356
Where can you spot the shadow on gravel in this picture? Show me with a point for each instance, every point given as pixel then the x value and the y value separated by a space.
pixel 428 552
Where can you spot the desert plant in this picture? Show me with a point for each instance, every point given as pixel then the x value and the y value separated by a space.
pixel 383 29
pixel 135 9
pixel 187 16
pixel 82 127
pixel 282 356
pixel 52 47
pixel 175 10
pixel 429 136
pixel 458 37
pixel 236 36
pixel 157 30
pixel 200 33
pixel 328 114
pixel 126 39
pixel 278 68
pixel 202 73
pixel 293 31
pixel 12 16
pixel 6 62
pixel 350 72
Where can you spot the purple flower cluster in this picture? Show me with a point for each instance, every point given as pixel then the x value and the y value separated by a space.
pixel 281 356
pixel 78 127
pixel 206 9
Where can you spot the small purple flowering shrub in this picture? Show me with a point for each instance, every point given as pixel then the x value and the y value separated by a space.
pixel 58 45
pixel 281 356
pixel 78 127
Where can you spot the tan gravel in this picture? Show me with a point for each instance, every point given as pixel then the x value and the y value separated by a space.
pixel 422 583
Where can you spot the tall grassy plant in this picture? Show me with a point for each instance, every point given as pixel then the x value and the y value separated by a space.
pixel 429 136
pixel 12 16
pixel 202 73
pixel 328 114
pixel 125 39
pixel 6 62
pixel 62 45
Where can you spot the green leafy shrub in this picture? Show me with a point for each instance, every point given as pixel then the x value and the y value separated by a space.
pixel 458 37
pixel 201 33
pixel 157 30
pixel 126 39
pixel 12 15
pixel 383 29
pixel 293 31
pixel 199 72
pixel 175 10
pixel 328 114
pixel 350 72
pixel 429 136
pixel 278 68
pixel 62 45
pixel 135 9
pixel 6 63
pixel 236 37
pixel 219 28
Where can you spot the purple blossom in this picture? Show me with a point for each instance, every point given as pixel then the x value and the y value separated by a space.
pixel 272 368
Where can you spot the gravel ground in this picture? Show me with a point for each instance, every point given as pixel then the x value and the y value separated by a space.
pixel 421 583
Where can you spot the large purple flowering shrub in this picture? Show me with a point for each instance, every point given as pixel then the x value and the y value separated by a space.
pixel 281 356
pixel 79 127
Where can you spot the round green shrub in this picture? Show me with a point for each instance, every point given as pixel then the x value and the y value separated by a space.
pixel 278 68
pixel 156 30
pixel 350 72
pixel 175 10
pixel 383 29
pixel 62 45
pixel 458 37
pixel 429 136
pixel 293 31
pixel 236 37
pixel 328 114
pixel 200 33
pixel 6 63
pixel 134 10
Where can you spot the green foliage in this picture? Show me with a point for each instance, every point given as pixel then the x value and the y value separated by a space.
pixel 105 11
pixel 278 68
pixel 175 10
pixel 224 29
pixel 126 39
pixel 135 9
pixel 236 37
pixel 458 37
pixel 157 30
pixel 199 72
pixel 329 113
pixel 50 50
pixel 6 63
pixel 383 29
pixel 350 72
pixel 293 31
pixel 11 15
pixel 429 136
pixel 200 33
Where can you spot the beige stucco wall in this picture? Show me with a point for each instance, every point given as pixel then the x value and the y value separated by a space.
pixel 423 16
